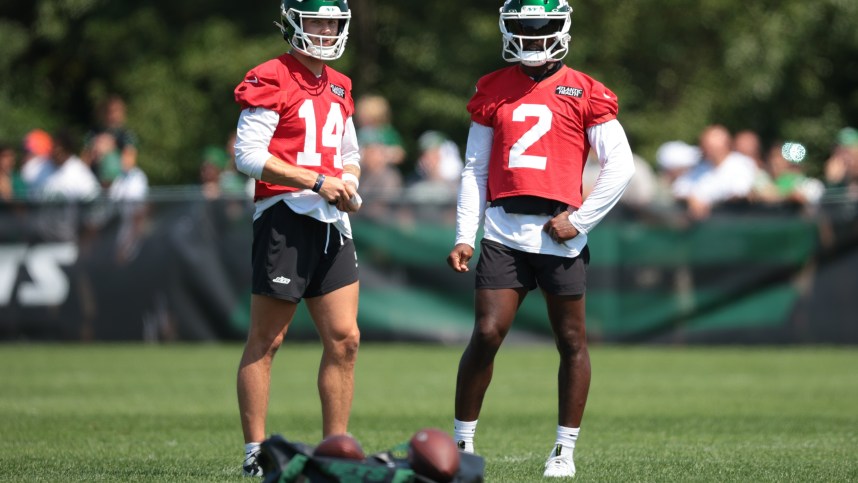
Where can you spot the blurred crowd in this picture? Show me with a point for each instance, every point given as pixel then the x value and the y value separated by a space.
pixel 719 168
pixel 62 165
pixel 724 169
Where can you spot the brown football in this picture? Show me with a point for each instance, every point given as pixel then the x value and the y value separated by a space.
pixel 340 446
pixel 433 453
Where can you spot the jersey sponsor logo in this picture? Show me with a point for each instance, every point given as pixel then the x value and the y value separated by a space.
pixel 569 91
pixel 338 91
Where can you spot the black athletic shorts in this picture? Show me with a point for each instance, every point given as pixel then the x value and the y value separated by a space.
pixel 297 256
pixel 502 267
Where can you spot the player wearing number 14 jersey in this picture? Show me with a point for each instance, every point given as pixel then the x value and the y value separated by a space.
pixel 296 137
pixel 533 126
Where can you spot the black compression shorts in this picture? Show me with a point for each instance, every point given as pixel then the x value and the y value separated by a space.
pixel 502 267
pixel 296 256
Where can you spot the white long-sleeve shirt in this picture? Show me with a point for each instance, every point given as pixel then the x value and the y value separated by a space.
pixel 524 232
pixel 253 135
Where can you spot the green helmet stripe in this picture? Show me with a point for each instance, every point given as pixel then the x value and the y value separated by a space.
pixel 315 5
pixel 515 6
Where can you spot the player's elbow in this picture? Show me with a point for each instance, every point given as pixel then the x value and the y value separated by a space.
pixel 629 172
pixel 250 160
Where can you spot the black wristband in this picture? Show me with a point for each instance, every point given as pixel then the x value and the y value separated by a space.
pixel 319 181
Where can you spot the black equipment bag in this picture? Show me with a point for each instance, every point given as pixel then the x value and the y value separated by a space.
pixel 284 461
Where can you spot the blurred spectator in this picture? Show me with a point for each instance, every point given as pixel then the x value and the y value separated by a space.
pixel 723 175
pixel 111 117
pixel 130 184
pixel 372 118
pixel 673 159
pixel 380 181
pixel 841 168
pixel 130 190
pixel 37 145
pixel 66 176
pixel 791 184
pixel 213 162
pixel 747 142
pixel 126 191
pixel 12 185
pixel 438 170
pixel 105 159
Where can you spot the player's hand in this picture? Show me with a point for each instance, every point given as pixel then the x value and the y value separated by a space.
pixel 560 229
pixel 352 205
pixel 333 189
pixel 353 202
pixel 460 256
pixel 338 192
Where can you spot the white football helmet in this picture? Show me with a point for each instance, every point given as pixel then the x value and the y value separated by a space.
pixel 535 31
pixel 293 13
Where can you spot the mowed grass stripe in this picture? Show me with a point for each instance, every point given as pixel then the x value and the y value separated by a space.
pixel 168 413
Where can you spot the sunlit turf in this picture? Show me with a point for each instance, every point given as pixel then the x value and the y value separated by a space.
pixel 168 413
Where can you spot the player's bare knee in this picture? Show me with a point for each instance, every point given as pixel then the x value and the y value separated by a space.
pixel 571 342
pixel 344 347
pixel 264 344
pixel 350 345
pixel 488 336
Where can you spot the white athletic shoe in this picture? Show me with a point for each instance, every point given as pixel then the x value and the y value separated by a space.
pixel 559 464
pixel 251 466
pixel 465 446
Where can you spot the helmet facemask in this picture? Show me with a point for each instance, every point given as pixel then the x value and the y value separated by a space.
pixel 314 45
pixel 534 36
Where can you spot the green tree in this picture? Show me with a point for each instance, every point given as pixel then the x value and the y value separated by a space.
pixel 786 69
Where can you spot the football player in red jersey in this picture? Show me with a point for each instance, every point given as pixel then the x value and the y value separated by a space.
pixel 296 137
pixel 533 125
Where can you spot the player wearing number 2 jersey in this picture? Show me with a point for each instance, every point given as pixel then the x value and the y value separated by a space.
pixel 296 137
pixel 533 126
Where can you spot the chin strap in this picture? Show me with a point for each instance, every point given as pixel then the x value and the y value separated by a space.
pixel 552 67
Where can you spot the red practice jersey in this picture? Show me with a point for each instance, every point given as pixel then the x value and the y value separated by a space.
pixel 313 112
pixel 540 140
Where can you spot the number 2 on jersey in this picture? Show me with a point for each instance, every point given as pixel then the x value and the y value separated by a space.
pixel 517 158
pixel 332 134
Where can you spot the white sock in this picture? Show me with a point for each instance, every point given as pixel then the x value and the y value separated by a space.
pixel 464 431
pixel 250 448
pixel 567 437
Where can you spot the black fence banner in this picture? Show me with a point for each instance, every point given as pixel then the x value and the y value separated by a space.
pixel 179 269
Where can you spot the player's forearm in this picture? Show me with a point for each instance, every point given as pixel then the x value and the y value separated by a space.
pixel 281 173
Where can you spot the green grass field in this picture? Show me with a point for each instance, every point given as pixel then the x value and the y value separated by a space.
pixel 168 413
